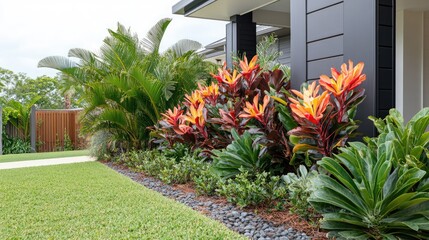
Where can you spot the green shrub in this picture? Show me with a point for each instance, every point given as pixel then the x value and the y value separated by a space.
pixel 299 189
pixel 167 169
pixel 15 145
pixel 243 154
pixel 367 198
pixel 178 151
pixel 245 191
pixel 410 142
pixel 207 181
pixel 183 171
pixel 153 162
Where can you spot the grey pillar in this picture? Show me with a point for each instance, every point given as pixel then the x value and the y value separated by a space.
pixel 240 37
pixel 33 128
pixel 1 130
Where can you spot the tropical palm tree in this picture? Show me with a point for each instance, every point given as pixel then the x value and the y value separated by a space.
pixel 129 83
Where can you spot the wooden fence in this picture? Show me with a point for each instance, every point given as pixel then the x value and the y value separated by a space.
pixel 50 130
pixel 53 127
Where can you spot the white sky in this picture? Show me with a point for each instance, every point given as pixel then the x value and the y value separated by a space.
pixel 31 30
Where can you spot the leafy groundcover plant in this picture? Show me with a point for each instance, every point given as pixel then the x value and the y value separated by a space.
pixel 374 191
pixel 299 188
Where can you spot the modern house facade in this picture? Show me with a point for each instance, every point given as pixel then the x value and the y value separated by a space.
pixel 390 36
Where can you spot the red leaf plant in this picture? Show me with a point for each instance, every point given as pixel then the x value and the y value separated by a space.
pixel 325 118
pixel 238 100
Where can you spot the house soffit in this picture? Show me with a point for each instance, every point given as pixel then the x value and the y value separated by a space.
pixel 224 9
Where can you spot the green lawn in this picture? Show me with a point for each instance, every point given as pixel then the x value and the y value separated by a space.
pixel 91 201
pixel 46 155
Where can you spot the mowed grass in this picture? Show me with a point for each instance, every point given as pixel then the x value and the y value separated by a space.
pixel 44 155
pixel 91 201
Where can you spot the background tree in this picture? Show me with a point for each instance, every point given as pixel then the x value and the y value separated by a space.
pixel 129 83
pixel 21 88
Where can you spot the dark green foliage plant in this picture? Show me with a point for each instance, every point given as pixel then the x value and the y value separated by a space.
pixel 243 154
pixel 179 151
pixel 299 188
pixel 15 145
pixel 245 190
pixel 167 168
pixel 367 197
pixel 183 171
pixel 207 182
pixel 152 162
pixel 410 142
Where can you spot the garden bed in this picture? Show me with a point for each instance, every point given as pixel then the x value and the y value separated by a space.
pixel 256 223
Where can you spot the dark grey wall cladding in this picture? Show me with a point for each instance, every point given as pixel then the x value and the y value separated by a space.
pixel 329 47
pixel 325 23
pixel 386 36
pixel 385 15
pixel 313 5
pixel 384 99
pixel 385 79
pixel 323 66
pixel 386 2
pixel 385 57
pixel 325 29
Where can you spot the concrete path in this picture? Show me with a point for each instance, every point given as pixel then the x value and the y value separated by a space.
pixel 45 162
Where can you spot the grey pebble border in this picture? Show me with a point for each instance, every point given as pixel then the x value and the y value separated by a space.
pixel 246 223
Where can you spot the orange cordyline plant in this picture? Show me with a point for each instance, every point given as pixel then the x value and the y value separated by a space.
pixel 342 84
pixel 247 69
pixel 256 110
pixel 172 117
pixel 325 120
pixel 195 116
pixel 232 80
pixel 195 99
pixel 232 102
pixel 311 105
pixel 210 93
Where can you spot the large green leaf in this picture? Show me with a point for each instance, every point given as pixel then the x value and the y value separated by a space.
pixel 367 195
pixel 243 154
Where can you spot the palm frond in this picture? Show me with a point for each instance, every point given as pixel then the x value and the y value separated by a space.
pixel 57 62
pixel 183 46
pixel 153 39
